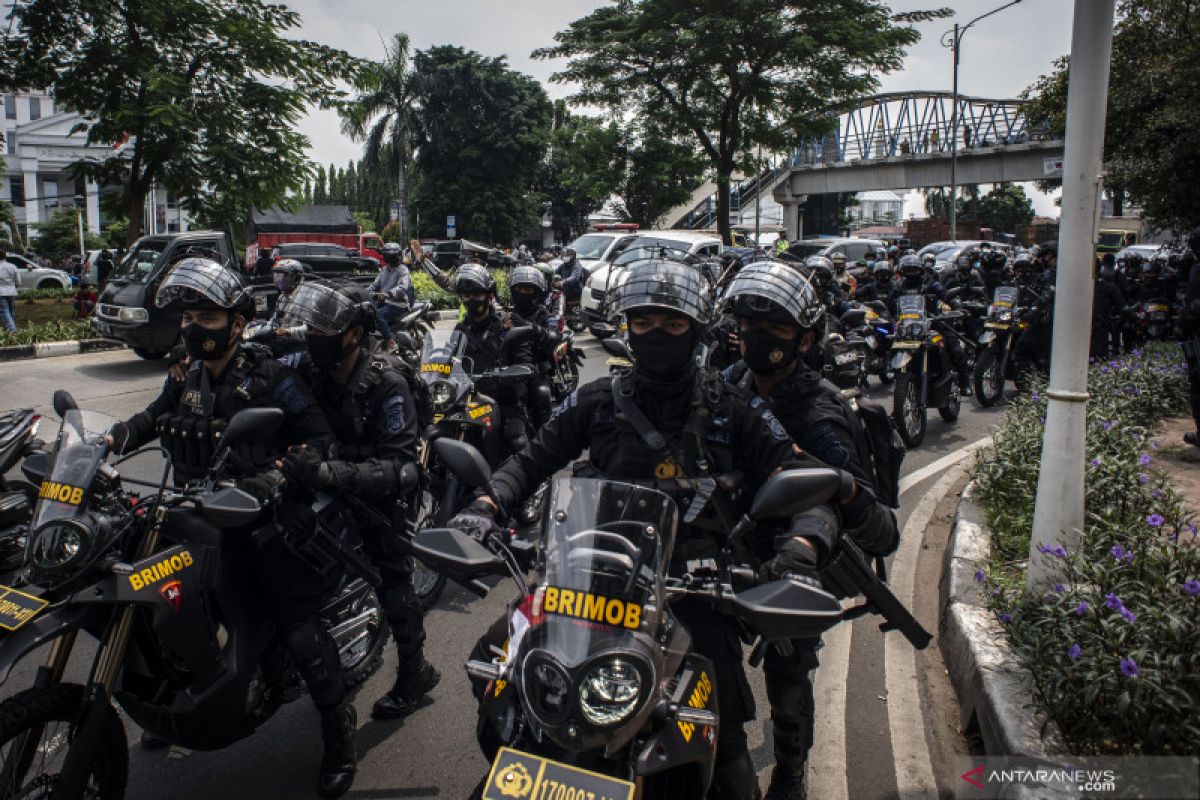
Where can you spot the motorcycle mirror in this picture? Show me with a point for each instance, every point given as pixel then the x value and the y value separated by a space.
pixel 63 402
pixel 464 461
pixel 787 609
pixel 36 467
pixel 795 490
pixel 854 317
pixel 617 348
pixel 229 508
pixel 456 554
pixel 602 330
pixel 252 422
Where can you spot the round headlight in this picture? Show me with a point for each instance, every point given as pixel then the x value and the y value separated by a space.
pixel 58 546
pixel 610 691
pixel 1005 316
pixel 442 393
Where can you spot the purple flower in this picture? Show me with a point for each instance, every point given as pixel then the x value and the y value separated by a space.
pixel 1074 652
pixel 1157 494
pixel 1144 459
pixel 1108 426
pixel 1034 396
pixel 1128 615
pixel 1058 587
pixel 1095 462
pixel 980 575
pixel 1081 609
pixel 1112 601
pixel 1192 587
pixel 1154 444
pixel 1058 550
pixel 1117 552
pixel 1143 478
pixel 1129 668
pixel 1137 352
pixel 1191 526
pixel 1154 520
pixel 1006 618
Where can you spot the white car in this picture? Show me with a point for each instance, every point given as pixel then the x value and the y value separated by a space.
pixel 597 248
pixel 33 276
pixel 644 245
pixel 852 249
pixel 946 252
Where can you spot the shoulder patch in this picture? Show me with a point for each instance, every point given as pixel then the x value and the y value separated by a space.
pixel 394 415
pixel 774 425
pixel 823 442
pixel 289 395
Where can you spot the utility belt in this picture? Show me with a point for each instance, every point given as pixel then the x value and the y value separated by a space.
pixel 191 440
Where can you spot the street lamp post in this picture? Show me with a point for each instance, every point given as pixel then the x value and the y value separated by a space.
pixel 953 39
pixel 79 223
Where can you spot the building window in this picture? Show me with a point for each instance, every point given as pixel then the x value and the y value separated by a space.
pixel 35 108
pixel 10 106
pixel 173 226
pixel 16 190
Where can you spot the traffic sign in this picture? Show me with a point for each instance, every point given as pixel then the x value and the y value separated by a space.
pixel 1052 167
pixel 450 222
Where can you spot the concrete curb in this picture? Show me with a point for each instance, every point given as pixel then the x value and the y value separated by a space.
pixel 53 349
pixel 992 687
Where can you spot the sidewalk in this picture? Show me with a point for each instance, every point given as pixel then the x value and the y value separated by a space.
pixel 1180 460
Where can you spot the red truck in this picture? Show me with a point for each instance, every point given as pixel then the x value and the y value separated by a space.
pixel 320 224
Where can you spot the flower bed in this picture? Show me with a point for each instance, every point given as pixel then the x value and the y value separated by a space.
pixel 53 331
pixel 1114 646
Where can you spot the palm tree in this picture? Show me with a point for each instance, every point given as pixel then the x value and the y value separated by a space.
pixel 385 116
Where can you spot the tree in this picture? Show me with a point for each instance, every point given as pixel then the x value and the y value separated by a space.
pixel 1151 141
pixel 1004 209
pixel 389 99
pixel 583 168
pixel 320 195
pixel 482 136
pixel 206 94
pixel 58 237
pixel 736 73
pixel 659 174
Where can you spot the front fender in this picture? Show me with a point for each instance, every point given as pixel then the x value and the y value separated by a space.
pixel 37 632
pixel 900 360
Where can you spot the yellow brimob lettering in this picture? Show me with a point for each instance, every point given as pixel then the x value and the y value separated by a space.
pixel 61 493
pixel 592 607
pixel 699 698
pixel 157 571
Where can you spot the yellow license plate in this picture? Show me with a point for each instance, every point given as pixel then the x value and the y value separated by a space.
pixel 479 411
pixel 1000 326
pixel 521 776
pixel 17 608
pixel 910 316
pixel 1163 309
pixel 905 345
pixel 619 362
pixel 438 417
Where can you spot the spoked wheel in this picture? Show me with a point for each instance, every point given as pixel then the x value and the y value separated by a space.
pixel 360 648
pixel 36 730
pixel 953 405
pixel 989 382
pixel 907 411
pixel 427 583
pixel 568 376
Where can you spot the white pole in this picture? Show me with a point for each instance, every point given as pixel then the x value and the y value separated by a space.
pixel 1059 513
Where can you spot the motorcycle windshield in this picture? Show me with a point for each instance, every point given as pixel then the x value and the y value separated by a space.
pixel 911 307
pixel 607 546
pixel 78 453
pixel 442 369
pixel 1006 296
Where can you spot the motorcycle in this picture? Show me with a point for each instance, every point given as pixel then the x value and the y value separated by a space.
pixel 463 413
pixel 996 361
pixel 596 691
pixel 411 331
pixel 18 439
pixel 925 375
pixel 161 581
pixel 566 359
pixel 1153 319
pixel 872 326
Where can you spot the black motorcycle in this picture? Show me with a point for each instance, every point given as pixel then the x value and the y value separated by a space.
pixel 596 691
pixel 566 358
pixel 925 375
pixel 18 439
pixel 996 361
pixel 162 582
pixel 870 326
pixel 412 330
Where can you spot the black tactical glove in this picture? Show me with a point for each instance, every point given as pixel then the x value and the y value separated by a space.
pixel 264 487
pixel 303 466
pixel 119 434
pixel 477 520
pixel 794 559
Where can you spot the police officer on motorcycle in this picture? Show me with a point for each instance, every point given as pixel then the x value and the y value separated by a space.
pixel 288 273
pixel 571 276
pixel 485 328
pixel 189 416
pixel 368 399
pixel 665 423
pixel 965 280
pixel 1108 306
pixel 915 279
pixel 779 318
pixel 392 290
pixel 528 288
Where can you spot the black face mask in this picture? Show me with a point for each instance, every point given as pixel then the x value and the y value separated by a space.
pixel 662 356
pixel 325 351
pixel 525 304
pixel 766 353
pixel 477 308
pixel 206 344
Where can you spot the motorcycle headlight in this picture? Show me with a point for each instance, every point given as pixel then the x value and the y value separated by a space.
pixel 442 394
pixel 58 547
pixel 609 692
pixel 915 330
pixel 1004 316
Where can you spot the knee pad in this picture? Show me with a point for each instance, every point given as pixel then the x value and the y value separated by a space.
pixel 405 617
pixel 515 434
pixel 317 660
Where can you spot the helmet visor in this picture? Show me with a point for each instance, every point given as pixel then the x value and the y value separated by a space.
pixel 321 308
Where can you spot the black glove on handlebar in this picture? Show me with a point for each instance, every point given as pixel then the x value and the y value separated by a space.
pixel 795 559
pixel 120 436
pixel 477 520
pixel 264 487
pixel 303 465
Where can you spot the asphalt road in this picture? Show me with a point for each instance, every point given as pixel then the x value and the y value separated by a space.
pixel 887 722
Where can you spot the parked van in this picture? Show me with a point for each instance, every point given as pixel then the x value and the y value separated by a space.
pixel 645 245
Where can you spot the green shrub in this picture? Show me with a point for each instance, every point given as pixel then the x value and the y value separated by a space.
pixel 1114 647
pixel 54 331
pixel 46 294
pixel 426 289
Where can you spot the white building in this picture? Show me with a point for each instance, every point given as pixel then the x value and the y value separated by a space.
pixel 39 146
pixel 877 207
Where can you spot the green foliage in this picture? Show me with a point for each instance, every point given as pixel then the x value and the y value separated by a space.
pixel 483 132
pixel 1152 146
pixel 426 289
pixel 1005 209
pixel 58 237
pixel 584 167
pixel 54 331
pixel 45 294
pixel 391 232
pixel 732 74
pixel 1125 597
pixel 659 174
pixel 208 95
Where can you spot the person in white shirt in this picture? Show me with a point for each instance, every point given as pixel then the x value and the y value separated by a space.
pixel 9 280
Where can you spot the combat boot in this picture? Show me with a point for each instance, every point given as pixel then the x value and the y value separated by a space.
pixel 339 759
pixel 412 686
pixel 786 784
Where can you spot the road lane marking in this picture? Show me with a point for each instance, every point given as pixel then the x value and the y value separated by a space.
pixel 827 760
pixel 906 716
pixel 929 470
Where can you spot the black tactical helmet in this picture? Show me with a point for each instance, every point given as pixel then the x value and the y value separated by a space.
pixel 474 278
pixel 774 291
pixel 288 266
pixel 527 276
pixel 655 284
pixel 882 270
pixel 820 268
pixel 963 263
pixel 910 266
pixel 1131 262
pixel 392 253
pixel 328 311
pixel 1023 262
pixel 198 283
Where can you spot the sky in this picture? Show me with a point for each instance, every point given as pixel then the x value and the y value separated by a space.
pixel 1001 55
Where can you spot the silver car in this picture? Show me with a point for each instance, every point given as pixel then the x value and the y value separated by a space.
pixel 32 276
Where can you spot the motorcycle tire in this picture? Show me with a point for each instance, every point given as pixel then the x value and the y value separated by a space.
pixel 576 323
pixel 886 377
pixel 366 660
pixel 953 406
pixel 570 376
pixel 989 382
pixel 907 412
pixel 427 583
pixel 52 710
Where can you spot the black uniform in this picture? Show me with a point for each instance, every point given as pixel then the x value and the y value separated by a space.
pixel 822 423
pixel 541 401
pixel 1108 306
pixel 485 338
pixel 742 434
pixel 1189 323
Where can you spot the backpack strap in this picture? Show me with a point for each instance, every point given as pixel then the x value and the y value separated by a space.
pixel 629 411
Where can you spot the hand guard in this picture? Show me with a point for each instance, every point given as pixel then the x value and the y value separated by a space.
pixel 120 437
